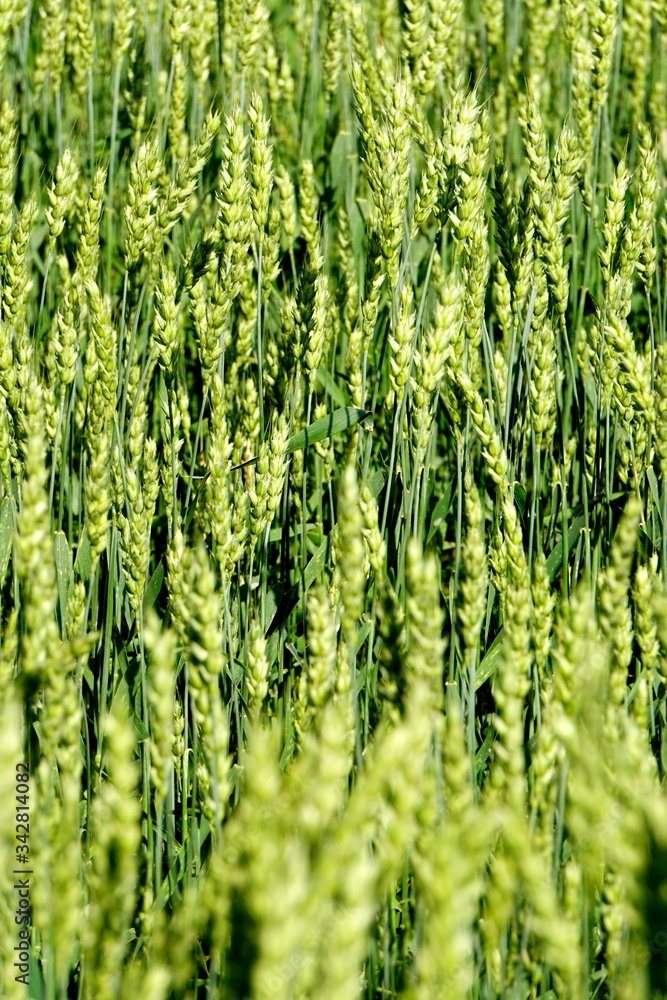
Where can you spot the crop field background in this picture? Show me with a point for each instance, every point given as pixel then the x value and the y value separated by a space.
pixel 333 499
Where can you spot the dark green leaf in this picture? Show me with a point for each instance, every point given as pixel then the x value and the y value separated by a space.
pixel 520 499
pixel 440 510
pixel 83 561
pixel 154 586
pixel 655 491
pixel 141 730
pixel 287 754
pixel 314 567
pixel 270 607
pixel 482 754
pixel 63 560
pixel 326 380
pixel 193 503
pixel 36 987
pixel 489 664
pixel 7 521
pixel 555 560
pixel 334 423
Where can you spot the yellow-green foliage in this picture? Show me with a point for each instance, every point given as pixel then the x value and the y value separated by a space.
pixel 333 498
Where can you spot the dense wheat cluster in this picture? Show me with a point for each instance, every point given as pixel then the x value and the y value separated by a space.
pixel 333 499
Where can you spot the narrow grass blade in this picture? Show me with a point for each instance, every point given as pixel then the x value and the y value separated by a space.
pixel 334 423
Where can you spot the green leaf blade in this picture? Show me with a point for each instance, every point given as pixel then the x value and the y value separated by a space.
pixel 333 423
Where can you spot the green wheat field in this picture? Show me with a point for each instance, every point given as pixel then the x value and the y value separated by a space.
pixel 333 499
